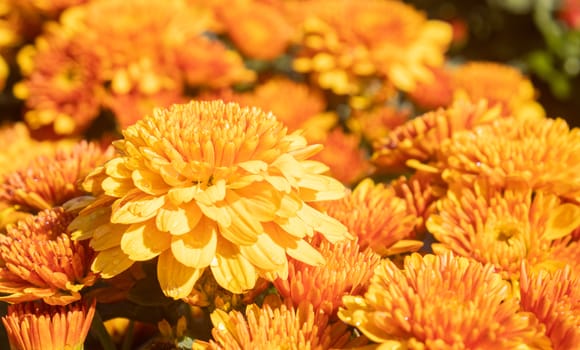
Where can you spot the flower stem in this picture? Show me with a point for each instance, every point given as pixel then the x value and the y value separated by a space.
pixel 99 331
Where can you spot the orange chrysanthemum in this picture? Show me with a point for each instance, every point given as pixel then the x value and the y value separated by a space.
pixel 271 327
pixel 420 192
pixel 436 93
pixel 545 153
pixel 418 140
pixel 33 326
pixel 347 161
pixel 297 105
pixel 62 86
pixel 500 85
pixel 555 300
pixel 19 148
pixel 77 70
pixel 377 217
pixel 502 227
pixel 347 271
pixel 389 39
pixel 39 261
pixel 442 302
pixel 259 29
pixel 208 184
pixel 51 180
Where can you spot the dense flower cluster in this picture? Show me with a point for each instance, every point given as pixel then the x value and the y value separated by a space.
pixel 261 174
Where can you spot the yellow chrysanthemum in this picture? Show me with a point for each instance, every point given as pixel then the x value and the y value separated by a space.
pixel 208 184
pixel 389 39
pixel 543 152
pixel 503 227
pixel 417 141
pixel 51 180
pixel 33 326
pixel 38 260
pixel 377 217
pixel 282 327
pixel 442 302
pixel 555 300
pixel 500 85
pixel 347 271
pixel 376 123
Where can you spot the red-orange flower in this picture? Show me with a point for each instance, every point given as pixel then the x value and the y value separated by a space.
pixel 418 140
pixel 51 180
pixel 555 300
pixel 346 160
pixel 377 217
pixel 271 327
pixel 39 260
pixel 442 302
pixel 544 153
pixel 347 271
pixel 33 326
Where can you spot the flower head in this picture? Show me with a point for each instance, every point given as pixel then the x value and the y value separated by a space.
pixel 208 184
pixel 544 153
pixel 439 302
pixel 51 180
pixel 347 271
pixel 271 327
pixel 39 260
pixel 35 325
pixel 377 217
pixel 419 139
pixel 62 86
pixel 502 227
pixel 555 300
pixel 378 122
pixel 500 85
pixel 385 38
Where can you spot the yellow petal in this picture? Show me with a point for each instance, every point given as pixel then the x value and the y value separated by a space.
pixel 117 168
pixel 295 226
pixel 244 228
pixel 117 187
pixel 261 200
pixel 279 182
pixel 306 253
pixel 111 262
pixel 198 247
pixel 149 182
pixel 135 207
pixel 265 253
pixel 181 195
pixel 253 166
pixel 172 177
pixel 142 241
pixel 290 167
pixel 178 220
pixel 107 236
pixel 231 270
pixel 83 226
pixel 176 280
pixel 562 221
pixel 212 194
pixel 320 188
pixel 289 205
pixel 331 228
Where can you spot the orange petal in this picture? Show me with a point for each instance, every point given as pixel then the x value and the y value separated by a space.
pixel 111 262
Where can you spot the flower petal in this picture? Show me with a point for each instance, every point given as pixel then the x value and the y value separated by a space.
pixel 178 220
pixel 198 247
pixel 149 182
pixel 176 280
pixel 265 253
pixel 111 262
pixel 331 228
pixel 231 270
pixel 143 241
pixel 107 236
pixel 563 220
pixel 135 207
